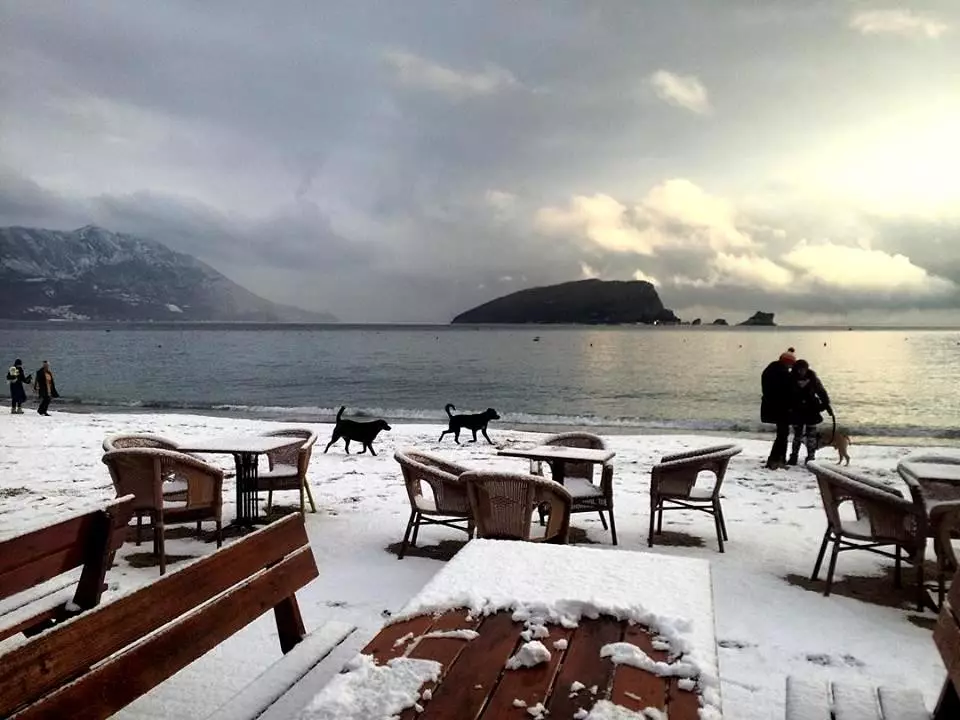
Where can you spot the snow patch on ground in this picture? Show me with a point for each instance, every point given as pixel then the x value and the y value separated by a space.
pixel 529 655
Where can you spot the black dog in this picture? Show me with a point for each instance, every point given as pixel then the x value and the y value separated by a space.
pixel 361 432
pixel 473 423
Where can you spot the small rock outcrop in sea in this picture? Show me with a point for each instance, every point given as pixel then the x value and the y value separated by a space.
pixel 583 302
pixel 763 319
pixel 697 321
pixel 719 321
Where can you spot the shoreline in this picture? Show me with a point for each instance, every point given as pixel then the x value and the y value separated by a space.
pixel 291 415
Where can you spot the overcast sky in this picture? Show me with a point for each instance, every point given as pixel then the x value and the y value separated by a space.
pixel 404 161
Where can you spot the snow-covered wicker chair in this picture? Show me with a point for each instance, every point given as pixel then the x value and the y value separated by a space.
pixel 449 505
pixel 578 478
pixel 673 486
pixel 174 488
pixel 884 518
pixel 141 471
pixel 503 505
pixel 288 467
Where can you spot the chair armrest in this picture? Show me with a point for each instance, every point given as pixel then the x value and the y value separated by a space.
pixel 686 454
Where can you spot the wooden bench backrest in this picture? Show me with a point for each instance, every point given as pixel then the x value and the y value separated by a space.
pixel 947 637
pixel 27 561
pixel 186 614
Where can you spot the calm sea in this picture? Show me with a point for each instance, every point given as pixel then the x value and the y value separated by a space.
pixel 892 384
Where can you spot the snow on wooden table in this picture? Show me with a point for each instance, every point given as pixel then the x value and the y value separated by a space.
pixel 653 613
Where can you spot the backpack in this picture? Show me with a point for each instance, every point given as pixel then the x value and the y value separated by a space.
pixel 12 374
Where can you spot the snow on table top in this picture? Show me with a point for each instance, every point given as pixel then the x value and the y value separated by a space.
pixel 560 452
pixel 562 584
pixel 238 444
pixel 943 469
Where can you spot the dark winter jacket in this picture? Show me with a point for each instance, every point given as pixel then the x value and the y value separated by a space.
pixel 777 393
pixel 17 392
pixel 45 385
pixel 809 398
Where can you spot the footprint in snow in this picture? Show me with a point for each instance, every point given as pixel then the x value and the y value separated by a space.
pixel 735 644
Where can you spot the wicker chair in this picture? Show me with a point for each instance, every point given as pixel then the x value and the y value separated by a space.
pixel 673 486
pixel 884 518
pixel 140 472
pixel 578 478
pixel 503 505
pixel 288 467
pixel 174 488
pixel 449 505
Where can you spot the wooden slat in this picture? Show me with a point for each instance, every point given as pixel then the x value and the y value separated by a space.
pixel 531 685
pixel 807 699
pixel 946 635
pixel 384 647
pixel 682 704
pixel 476 671
pixel 443 650
pixel 953 594
pixel 638 689
pixel 902 704
pixel 583 664
pixel 855 702
pixel 53 658
pixel 30 616
pixel 128 675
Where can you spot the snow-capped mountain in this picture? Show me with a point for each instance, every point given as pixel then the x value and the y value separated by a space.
pixel 95 274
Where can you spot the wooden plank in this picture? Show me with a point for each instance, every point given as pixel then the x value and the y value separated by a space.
pixel 387 644
pixel 40 611
pixel 127 675
pixel 582 663
pixel 638 689
pixel 51 659
pixel 946 636
pixel 682 704
pixel 443 650
pixel 855 702
pixel 464 691
pixel 953 594
pixel 902 704
pixel 807 699
pixel 529 685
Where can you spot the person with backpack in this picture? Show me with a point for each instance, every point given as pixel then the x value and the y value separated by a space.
pixel 809 400
pixel 17 378
pixel 45 387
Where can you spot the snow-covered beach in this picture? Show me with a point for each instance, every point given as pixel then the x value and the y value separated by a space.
pixel 768 625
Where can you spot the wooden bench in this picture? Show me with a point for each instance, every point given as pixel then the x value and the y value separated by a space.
pixel 809 699
pixel 56 572
pixel 93 665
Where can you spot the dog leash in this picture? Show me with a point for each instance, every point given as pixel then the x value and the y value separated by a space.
pixel 833 433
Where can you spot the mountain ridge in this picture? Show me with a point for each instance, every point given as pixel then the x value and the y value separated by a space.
pixel 91 273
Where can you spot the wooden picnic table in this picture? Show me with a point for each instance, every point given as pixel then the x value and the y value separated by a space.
pixel 246 451
pixel 496 596
pixel 557 457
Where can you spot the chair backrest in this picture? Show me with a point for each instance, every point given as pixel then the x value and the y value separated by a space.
pixel 442 476
pixel 99 662
pixel 677 474
pixel 503 505
pixel 946 635
pixel 890 515
pixel 140 472
pixel 141 440
pixel 577 439
pixel 89 539
pixel 296 455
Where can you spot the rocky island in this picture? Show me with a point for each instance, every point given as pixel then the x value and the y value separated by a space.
pixel 760 319
pixel 581 302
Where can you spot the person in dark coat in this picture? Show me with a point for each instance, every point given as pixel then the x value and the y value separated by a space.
pixel 18 394
pixel 775 405
pixel 46 388
pixel 810 399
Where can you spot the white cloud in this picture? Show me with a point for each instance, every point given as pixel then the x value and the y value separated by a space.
pixel 422 74
pixel 587 272
pixel 500 200
pixel 752 271
pixel 641 275
pixel 684 91
pixel 858 269
pixel 898 22
pixel 674 214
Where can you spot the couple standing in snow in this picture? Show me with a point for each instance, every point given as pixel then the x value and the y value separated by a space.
pixel 792 396
pixel 44 385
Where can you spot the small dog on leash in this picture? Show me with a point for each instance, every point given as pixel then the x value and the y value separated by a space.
pixel 474 423
pixel 839 439
pixel 364 432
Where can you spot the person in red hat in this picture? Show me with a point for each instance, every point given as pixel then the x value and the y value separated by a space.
pixel 775 405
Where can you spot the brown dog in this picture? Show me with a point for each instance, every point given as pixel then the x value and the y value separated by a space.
pixel 826 437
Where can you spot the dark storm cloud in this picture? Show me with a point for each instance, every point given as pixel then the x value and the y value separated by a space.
pixel 387 161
